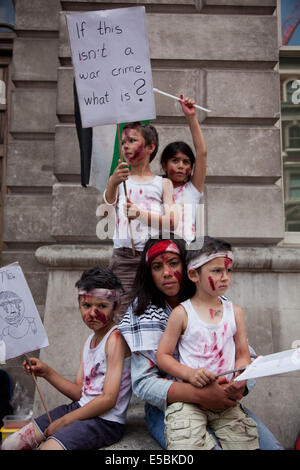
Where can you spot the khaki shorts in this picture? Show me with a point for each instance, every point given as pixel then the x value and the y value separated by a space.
pixel 186 428
pixel 124 265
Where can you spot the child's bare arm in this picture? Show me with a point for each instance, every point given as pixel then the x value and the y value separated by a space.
pixel 165 360
pixel 242 355
pixel 120 174
pixel 116 350
pixel 199 173
pixel 70 389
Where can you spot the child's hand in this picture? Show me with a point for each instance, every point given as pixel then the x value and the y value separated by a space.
pixel 187 105
pixel 131 210
pixel 56 425
pixel 235 390
pixel 120 174
pixel 201 377
pixel 37 367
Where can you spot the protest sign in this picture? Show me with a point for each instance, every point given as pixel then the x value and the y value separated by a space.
pixel 272 364
pixel 21 329
pixel 112 69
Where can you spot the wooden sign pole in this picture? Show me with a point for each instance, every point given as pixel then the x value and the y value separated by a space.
pixel 125 191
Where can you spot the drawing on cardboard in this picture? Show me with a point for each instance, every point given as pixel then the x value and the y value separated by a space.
pixel 21 328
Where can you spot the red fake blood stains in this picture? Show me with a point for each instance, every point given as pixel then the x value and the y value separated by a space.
pixel 211 313
pixel 100 316
pixel 178 276
pixel 227 262
pixel 212 285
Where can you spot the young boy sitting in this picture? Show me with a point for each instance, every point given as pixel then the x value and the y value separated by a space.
pixel 148 209
pixel 102 389
pixel 210 333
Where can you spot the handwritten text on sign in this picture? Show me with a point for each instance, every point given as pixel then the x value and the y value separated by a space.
pixel 112 68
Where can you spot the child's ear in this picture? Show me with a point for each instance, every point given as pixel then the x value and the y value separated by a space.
pixel 151 147
pixel 193 275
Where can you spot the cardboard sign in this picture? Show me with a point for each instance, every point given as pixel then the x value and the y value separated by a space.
pixel 112 67
pixel 21 328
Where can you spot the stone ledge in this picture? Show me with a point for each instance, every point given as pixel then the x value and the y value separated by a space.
pixel 73 256
pixel 255 259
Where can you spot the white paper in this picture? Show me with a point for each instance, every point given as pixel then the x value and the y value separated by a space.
pixel 272 364
pixel 112 69
pixel 21 327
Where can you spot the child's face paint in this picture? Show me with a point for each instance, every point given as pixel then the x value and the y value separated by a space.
pixel 178 168
pixel 133 146
pixel 215 276
pixel 166 270
pixel 96 313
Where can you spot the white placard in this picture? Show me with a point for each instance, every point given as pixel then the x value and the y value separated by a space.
pixel 272 364
pixel 21 328
pixel 112 69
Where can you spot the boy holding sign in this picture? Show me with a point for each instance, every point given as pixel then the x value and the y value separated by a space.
pixel 102 389
pixel 148 209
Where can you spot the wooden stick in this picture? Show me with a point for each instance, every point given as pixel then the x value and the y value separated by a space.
pixel 231 371
pixel 38 389
pixel 125 191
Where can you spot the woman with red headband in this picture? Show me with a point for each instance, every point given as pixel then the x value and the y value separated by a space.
pixel 161 284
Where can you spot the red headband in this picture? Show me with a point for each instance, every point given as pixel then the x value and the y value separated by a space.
pixel 164 246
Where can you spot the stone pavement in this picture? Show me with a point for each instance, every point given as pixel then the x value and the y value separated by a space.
pixel 137 436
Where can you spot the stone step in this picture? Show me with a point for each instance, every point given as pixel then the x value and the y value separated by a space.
pixel 137 436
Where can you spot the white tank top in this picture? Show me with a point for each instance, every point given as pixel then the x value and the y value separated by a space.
pixel 187 197
pixel 209 346
pixel 94 366
pixel 148 196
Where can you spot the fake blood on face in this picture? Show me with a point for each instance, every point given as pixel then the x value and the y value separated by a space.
pixel 100 316
pixel 211 282
pixel 227 262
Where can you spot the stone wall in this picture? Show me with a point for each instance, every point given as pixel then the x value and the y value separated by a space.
pixel 225 54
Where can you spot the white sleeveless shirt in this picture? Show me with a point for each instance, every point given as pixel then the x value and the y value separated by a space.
pixel 94 366
pixel 187 197
pixel 209 346
pixel 148 196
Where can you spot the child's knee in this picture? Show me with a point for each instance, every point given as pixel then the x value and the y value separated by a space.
pixel 26 438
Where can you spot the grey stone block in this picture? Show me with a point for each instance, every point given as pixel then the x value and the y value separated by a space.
pixel 214 37
pixel 67 151
pixel 65 96
pixel 37 15
pixel 39 104
pixel 242 213
pixel 74 212
pixel 204 37
pixel 27 218
pixel 275 401
pixel 240 152
pixel 244 94
pixel 41 59
pixel 30 163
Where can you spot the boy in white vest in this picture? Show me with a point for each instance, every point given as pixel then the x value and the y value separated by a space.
pixel 211 337
pixel 148 209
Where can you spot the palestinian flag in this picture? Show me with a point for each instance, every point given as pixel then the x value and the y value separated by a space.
pixel 99 150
